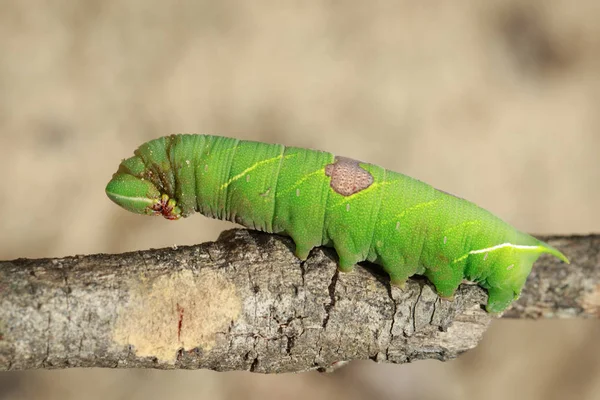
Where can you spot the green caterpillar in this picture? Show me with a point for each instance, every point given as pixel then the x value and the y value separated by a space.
pixel 364 211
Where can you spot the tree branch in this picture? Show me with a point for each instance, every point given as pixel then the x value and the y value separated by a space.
pixel 246 303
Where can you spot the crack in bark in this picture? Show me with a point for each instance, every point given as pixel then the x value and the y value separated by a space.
pixel 254 364
pixel 48 333
pixel 434 310
pixel 331 290
pixel 394 311
pixel 290 345
pixel 414 309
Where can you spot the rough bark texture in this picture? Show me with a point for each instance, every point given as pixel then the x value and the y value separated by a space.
pixel 246 303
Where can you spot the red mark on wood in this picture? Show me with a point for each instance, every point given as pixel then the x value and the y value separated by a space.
pixel 180 322
pixel 347 176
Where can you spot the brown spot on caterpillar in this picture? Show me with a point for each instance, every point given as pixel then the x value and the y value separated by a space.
pixel 347 176
pixel 182 310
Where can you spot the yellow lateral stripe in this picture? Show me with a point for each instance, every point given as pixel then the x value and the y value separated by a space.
pixel 418 207
pixel 362 192
pixel 459 259
pixel 411 209
pixel 462 225
pixel 497 247
pixel 302 180
pixel 252 168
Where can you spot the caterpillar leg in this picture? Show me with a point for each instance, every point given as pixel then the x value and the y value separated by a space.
pixel 445 280
pixel 347 259
pixel 346 264
pixel 499 299
pixel 398 282
pixel 399 274
pixel 303 246
pixel 302 251
pixel 446 291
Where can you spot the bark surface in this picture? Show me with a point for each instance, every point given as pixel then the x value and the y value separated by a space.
pixel 245 302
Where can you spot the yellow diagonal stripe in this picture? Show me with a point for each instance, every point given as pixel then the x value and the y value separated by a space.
pixel 414 208
pixel 252 168
pixel 462 225
pixel 302 180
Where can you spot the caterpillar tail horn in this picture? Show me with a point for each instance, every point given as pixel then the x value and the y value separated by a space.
pixel 546 248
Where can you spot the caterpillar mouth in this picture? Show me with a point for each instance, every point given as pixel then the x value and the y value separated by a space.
pixel 167 208
pixel 141 196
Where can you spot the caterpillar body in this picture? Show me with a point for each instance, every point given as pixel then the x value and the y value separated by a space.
pixel 367 213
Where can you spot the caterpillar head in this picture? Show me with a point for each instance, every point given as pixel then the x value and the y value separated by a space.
pixel 140 195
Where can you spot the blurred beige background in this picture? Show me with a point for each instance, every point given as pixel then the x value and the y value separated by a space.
pixel 497 101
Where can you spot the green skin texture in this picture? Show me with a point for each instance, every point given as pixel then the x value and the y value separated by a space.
pixel 398 222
